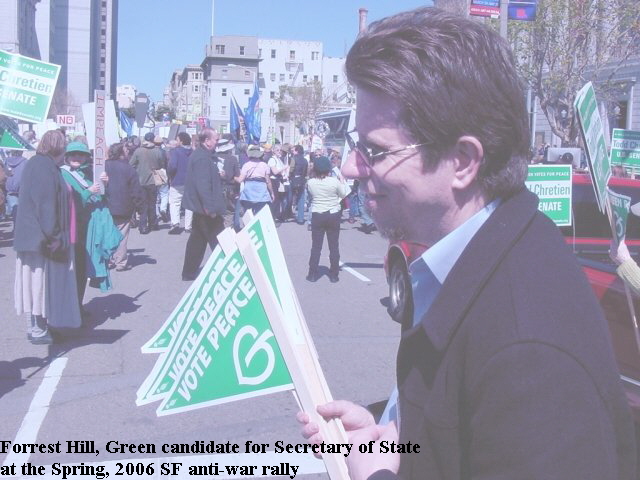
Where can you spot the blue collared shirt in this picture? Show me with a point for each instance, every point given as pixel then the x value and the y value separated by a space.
pixel 428 273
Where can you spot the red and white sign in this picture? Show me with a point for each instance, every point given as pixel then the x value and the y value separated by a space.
pixel 100 147
pixel 66 120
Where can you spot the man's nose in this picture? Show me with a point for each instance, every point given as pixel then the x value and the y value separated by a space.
pixel 353 167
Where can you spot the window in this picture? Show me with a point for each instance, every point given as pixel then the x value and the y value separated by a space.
pixel 224 73
pixel 282 77
pixel 247 73
pixel 196 88
pixel 315 78
pixel 292 54
pixel 272 77
pixel 224 110
pixel 335 97
pixel 220 49
pixel 246 91
pixel 335 79
pixel 304 78
pixel 273 53
pixel 291 76
pixel 241 50
pixel 260 75
pixel 315 55
pixel 272 95
pixel 260 52
pixel 224 92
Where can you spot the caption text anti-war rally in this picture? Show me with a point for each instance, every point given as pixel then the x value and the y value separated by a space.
pixel 148 468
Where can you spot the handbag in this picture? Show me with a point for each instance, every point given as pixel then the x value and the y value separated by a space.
pixel 160 177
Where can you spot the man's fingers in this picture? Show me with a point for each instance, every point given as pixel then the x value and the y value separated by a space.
pixel 302 417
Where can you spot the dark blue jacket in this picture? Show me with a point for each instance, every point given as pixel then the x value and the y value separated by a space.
pixel 510 374
pixel 178 163
pixel 123 191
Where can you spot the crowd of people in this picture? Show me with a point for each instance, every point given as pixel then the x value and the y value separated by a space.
pixel 195 184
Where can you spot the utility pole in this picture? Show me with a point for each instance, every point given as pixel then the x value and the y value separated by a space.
pixel 213 9
pixel 504 14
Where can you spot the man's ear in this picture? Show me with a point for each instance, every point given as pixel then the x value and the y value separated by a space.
pixel 468 153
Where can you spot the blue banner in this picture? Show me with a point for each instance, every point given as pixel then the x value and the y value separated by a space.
pixel 236 121
pixel 252 116
pixel 126 123
pixel 524 11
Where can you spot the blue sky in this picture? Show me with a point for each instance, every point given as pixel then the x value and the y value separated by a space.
pixel 157 36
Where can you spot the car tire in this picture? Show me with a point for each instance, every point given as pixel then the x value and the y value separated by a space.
pixel 400 298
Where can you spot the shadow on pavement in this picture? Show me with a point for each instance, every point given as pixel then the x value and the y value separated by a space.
pixel 363 265
pixel 136 260
pixel 110 307
pixel 11 372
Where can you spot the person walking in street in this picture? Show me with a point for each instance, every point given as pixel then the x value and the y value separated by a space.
pixel 255 176
pixel 326 193
pixel 45 283
pixel 161 181
pixel 203 195
pixel 231 173
pixel 124 197
pixel 146 160
pixel 177 173
pixel 299 182
pixel 506 370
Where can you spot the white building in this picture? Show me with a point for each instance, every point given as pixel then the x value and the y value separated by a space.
pixel 126 96
pixel 232 63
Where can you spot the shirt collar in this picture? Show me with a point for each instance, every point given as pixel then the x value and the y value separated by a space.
pixel 442 256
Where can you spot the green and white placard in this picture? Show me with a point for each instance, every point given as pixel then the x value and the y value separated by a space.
pixel 26 86
pixel 592 129
pixel 620 205
pixel 552 185
pixel 625 149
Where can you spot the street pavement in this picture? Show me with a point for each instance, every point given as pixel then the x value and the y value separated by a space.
pixel 84 387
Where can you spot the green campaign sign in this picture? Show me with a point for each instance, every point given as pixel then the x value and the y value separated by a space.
pixel 26 87
pixel 625 149
pixel 552 185
pixel 620 205
pixel 593 133
pixel 217 345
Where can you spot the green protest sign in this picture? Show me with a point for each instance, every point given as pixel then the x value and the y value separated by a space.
pixel 620 205
pixel 593 134
pixel 235 354
pixel 552 184
pixel 625 149
pixel 26 87
pixel 161 341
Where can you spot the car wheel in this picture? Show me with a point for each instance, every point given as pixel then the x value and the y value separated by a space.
pixel 400 299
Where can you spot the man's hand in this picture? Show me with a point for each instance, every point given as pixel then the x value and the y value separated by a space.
pixel 361 428
pixel 363 465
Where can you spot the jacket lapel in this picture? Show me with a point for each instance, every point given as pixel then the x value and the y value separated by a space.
pixel 474 267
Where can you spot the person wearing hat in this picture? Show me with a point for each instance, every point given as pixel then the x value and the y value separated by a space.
pixel 257 191
pixel 86 196
pixel 146 160
pixel 326 192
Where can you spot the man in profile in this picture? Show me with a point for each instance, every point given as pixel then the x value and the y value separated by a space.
pixel 506 370
pixel 204 197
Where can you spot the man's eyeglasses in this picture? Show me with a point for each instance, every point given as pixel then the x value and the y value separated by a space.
pixel 372 155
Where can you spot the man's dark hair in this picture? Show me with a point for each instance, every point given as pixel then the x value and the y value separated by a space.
pixel 451 77
pixel 298 150
pixel 206 133
pixel 185 138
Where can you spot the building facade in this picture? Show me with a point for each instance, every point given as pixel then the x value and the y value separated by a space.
pixel 18 27
pixel 80 36
pixel 125 96
pixel 234 63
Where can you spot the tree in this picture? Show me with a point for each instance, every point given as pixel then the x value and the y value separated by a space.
pixel 459 7
pixel 161 110
pixel 570 43
pixel 63 103
pixel 300 104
